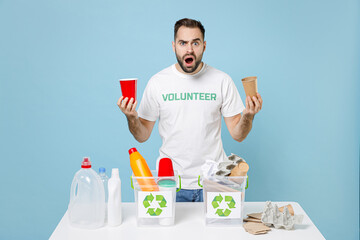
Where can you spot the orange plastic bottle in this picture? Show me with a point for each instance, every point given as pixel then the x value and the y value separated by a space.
pixel 141 170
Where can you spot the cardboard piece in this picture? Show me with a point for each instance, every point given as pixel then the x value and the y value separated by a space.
pixel 223 173
pixel 256 228
pixel 235 158
pixel 250 219
pixel 250 86
pixel 272 216
pixel 255 215
pixel 234 166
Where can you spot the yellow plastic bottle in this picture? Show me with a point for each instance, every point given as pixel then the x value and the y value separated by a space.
pixel 142 171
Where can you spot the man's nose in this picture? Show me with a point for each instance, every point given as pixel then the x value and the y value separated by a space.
pixel 189 48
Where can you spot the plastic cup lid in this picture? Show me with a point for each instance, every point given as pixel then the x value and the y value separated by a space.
pixel 167 183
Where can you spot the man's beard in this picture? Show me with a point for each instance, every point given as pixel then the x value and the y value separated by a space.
pixel 184 68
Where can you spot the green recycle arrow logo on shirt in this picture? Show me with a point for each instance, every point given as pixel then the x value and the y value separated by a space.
pixel 152 211
pixel 221 212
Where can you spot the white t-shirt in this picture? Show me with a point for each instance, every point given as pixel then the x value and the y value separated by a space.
pixel 189 109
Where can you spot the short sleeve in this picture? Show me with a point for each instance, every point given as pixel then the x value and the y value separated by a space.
pixel 149 106
pixel 232 103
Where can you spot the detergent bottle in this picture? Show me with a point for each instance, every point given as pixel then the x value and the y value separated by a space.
pixel 142 172
pixel 87 198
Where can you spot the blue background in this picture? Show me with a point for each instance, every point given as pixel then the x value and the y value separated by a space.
pixel 60 62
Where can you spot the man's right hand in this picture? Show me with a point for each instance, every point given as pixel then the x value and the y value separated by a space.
pixel 128 109
pixel 139 128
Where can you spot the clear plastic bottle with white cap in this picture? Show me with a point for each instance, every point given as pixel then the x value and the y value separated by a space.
pixel 114 201
pixel 87 198
pixel 104 179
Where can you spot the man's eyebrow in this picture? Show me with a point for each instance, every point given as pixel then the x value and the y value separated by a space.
pixel 193 40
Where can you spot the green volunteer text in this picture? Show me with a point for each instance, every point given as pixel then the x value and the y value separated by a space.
pixel 189 96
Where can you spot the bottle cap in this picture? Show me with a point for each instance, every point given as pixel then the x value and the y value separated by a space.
pixel 86 163
pixel 115 172
pixel 131 150
pixel 102 170
pixel 165 168
pixel 167 183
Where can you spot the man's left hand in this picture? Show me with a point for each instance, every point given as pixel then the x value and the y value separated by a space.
pixel 253 106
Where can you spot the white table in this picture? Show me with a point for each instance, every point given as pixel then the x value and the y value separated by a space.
pixel 189 224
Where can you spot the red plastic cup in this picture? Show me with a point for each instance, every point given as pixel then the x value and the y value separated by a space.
pixel 128 87
pixel 165 168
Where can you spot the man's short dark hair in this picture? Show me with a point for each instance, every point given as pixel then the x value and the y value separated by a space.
pixel 190 23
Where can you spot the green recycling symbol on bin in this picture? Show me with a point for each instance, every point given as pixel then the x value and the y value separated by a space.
pixel 152 211
pixel 218 199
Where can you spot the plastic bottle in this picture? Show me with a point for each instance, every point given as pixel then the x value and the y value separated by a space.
pixel 166 182
pixel 87 198
pixel 104 179
pixel 140 170
pixel 114 203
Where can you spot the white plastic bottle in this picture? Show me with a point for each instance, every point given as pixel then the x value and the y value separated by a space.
pixel 104 179
pixel 114 201
pixel 87 198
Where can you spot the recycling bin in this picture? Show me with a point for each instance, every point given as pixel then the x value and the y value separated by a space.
pixel 224 199
pixel 155 199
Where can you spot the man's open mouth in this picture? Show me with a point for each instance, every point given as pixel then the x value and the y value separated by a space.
pixel 189 60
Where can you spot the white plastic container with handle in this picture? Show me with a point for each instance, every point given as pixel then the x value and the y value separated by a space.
pixel 87 198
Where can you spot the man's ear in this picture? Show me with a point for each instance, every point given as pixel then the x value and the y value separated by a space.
pixel 173 45
pixel 204 46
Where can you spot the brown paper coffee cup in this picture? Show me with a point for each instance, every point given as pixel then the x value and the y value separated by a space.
pixel 289 207
pixel 240 170
pixel 250 86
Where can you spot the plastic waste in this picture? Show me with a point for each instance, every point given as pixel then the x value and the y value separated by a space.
pixel 114 202
pixel 167 182
pixel 141 169
pixel 87 198
pixel 104 179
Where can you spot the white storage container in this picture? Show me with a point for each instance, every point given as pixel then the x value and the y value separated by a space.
pixel 224 200
pixel 156 208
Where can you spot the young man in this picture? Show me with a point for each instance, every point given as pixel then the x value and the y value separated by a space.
pixel 189 99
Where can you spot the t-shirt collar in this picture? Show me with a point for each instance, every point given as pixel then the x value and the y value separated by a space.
pixel 182 75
